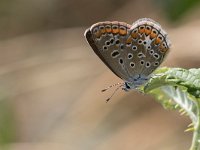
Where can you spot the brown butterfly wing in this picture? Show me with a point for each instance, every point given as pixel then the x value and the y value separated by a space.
pixel 107 40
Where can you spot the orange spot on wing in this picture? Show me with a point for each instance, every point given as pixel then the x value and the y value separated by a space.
pixel 141 30
pixel 98 34
pixel 162 48
pixel 153 35
pixel 157 41
pixel 122 31
pixel 129 40
pixel 134 35
pixel 115 31
pixel 103 30
pixel 108 28
pixel 147 31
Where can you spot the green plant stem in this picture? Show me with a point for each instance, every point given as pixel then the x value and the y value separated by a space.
pixel 196 135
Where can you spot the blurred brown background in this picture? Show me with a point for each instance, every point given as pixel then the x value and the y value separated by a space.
pixel 50 79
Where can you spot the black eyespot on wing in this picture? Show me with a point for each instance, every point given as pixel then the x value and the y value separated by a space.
pixel 132 64
pixel 156 63
pixel 121 61
pixel 121 46
pixel 114 26
pixel 107 43
pixel 149 47
pixel 105 48
pixel 115 53
pixel 156 56
pixel 117 41
pixel 140 55
pixel 148 64
pixel 142 62
pixel 130 55
pixel 101 27
pixel 139 41
pixel 141 27
pixel 160 37
pixel 155 31
pixel 134 48
pixel 111 41
pixel 148 28
pixel 151 51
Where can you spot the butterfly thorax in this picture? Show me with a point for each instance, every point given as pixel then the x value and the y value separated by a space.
pixel 135 82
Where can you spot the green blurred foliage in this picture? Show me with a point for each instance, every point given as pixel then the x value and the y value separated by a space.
pixel 7 122
pixel 176 9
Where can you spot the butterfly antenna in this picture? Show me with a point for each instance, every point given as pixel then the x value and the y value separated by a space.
pixel 111 86
pixel 114 92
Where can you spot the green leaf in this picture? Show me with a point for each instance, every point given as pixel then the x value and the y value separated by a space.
pixel 178 88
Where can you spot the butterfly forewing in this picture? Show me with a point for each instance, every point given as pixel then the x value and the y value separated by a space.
pixel 108 41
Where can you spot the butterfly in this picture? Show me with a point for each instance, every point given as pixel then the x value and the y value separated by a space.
pixel 132 52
